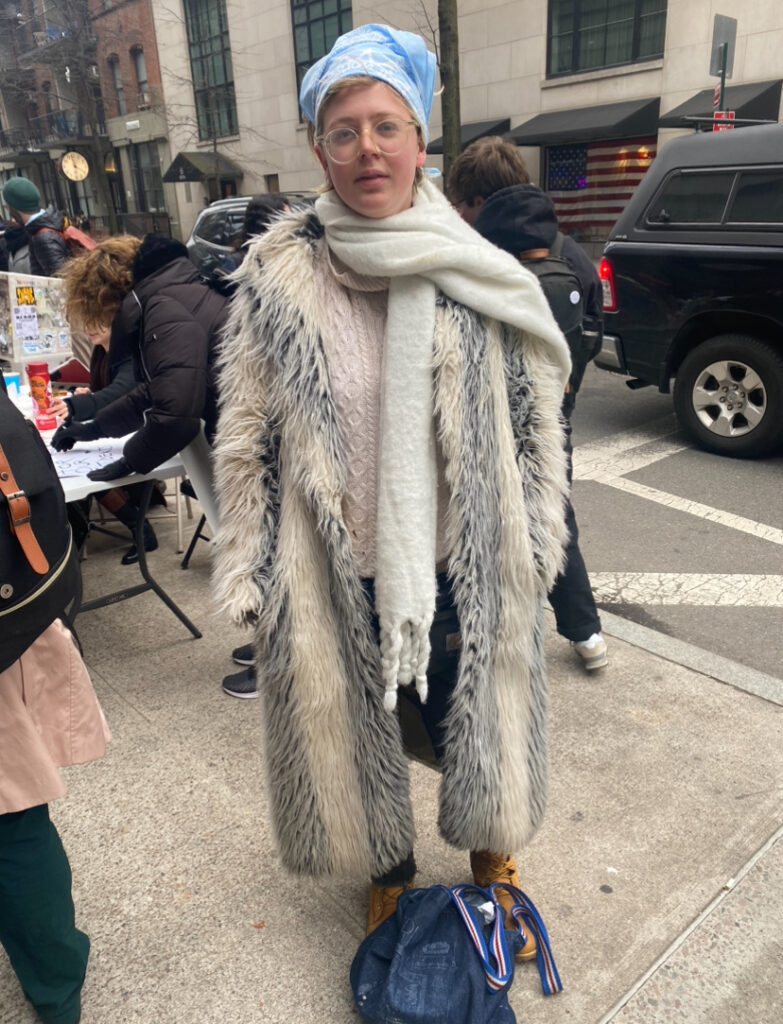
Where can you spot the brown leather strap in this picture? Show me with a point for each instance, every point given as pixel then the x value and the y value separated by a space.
pixel 19 516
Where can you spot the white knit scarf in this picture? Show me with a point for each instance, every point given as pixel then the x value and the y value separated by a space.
pixel 422 250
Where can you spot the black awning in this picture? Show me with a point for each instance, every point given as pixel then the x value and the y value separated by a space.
pixel 200 166
pixel 757 101
pixel 470 132
pixel 626 120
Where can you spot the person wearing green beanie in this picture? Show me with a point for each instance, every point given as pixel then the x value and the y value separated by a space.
pixel 44 227
pixel 22 195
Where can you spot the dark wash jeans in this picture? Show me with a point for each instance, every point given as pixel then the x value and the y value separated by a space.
pixel 441 679
pixel 571 596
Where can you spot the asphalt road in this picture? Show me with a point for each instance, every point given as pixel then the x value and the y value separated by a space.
pixel 686 543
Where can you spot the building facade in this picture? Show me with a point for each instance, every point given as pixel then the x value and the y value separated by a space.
pixel 83 76
pixel 588 89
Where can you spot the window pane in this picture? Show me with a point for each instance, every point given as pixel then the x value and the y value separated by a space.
pixel 692 199
pixel 759 198
pixel 331 31
pixel 652 28
pixel 317 40
pixel 607 33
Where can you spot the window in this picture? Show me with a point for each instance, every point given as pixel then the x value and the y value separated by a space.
pixel 692 198
pixel 220 227
pixel 587 34
pixel 140 66
pixel 211 68
pixel 116 77
pixel 145 168
pixel 758 199
pixel 317 24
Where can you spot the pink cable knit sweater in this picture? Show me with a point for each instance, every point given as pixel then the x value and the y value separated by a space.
pixel 354 316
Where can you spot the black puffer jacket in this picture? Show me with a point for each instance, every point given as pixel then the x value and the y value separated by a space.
pixel 48 250
pixel 172 321
pixel 17 250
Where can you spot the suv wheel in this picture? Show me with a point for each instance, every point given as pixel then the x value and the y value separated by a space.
pixel 728 395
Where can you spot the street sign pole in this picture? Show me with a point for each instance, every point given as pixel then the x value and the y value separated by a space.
pixel 724 49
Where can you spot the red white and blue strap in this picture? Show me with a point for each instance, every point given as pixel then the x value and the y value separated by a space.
pixel 527 917
pixel 497 960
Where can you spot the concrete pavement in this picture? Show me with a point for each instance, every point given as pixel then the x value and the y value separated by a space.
pixel 658 870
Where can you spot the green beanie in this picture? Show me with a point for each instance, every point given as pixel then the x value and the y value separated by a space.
pixel 22 195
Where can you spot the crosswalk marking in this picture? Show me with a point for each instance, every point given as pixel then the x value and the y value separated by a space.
pixel 715 590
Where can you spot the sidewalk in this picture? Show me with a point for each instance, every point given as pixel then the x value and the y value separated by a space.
pixel 658 870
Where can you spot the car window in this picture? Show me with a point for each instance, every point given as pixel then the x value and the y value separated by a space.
pixel 758 198
pixel 212 227
pixel 698 198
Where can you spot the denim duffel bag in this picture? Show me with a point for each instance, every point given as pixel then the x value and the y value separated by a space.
pixel 444 957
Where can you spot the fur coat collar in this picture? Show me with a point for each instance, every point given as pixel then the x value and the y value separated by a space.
pixel 337 773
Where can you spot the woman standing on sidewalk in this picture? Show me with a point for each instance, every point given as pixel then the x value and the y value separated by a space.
pixel 389 460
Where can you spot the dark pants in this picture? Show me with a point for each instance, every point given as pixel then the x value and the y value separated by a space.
pixel 572 597
pixel 441 679
pixel 37 928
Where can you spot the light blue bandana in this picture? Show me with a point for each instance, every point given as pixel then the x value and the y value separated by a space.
pixel 400 59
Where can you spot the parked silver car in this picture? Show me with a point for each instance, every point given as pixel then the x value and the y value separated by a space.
pixel 216 229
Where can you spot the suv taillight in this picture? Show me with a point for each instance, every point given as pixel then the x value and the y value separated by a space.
pixel 607 281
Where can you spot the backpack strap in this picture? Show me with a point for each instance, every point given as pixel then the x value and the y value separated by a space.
pixel 556 249
pixel 527 917
pixel 497 960
pixel 19 516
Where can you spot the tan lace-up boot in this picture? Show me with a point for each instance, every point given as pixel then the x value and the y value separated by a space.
pixel 383 903
pixel 488 867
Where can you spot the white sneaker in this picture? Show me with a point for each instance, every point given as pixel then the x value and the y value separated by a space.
pixel 592 651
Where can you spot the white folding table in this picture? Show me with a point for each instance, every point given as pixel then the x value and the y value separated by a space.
pixel 78 487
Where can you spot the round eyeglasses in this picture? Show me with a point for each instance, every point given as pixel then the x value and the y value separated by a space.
pixel 388 136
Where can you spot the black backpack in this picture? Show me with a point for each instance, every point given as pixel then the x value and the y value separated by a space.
pixel 39 568
pixel 564 295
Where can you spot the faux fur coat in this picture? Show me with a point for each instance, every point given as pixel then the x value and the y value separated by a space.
pixel 337 774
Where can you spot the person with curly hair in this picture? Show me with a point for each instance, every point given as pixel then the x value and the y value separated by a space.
pixel 159 310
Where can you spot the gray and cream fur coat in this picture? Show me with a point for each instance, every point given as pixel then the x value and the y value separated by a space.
pixel 337 774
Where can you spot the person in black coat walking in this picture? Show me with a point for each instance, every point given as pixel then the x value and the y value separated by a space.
pixel 490 187
pixel 44 227
pixel 171 321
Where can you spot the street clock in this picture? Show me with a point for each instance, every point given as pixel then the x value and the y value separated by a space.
pixel 74 166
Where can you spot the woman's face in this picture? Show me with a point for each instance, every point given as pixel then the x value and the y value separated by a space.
pixel 372 184
pixel 99 335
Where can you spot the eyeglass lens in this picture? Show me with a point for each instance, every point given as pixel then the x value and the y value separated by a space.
pixel 342 144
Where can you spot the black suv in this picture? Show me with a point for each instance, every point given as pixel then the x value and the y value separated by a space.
pixel 693 287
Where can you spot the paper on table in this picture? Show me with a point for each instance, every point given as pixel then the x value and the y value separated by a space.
pixel 79 461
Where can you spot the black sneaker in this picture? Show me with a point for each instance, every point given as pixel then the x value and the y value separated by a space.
pixel 244 655
pixel 241 684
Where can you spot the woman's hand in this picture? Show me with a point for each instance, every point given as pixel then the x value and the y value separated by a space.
pixel 60 409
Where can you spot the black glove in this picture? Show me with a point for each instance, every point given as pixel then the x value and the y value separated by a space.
pixel 67 434
pixel 121 467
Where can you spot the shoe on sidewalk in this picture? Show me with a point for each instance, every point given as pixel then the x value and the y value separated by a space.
pixel 244 655
pixel 489 867
pixel 383 903
pixel 131 556
pixel 592 651
pixel 241 684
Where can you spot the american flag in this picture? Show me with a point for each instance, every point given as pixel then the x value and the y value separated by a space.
pixel 590 183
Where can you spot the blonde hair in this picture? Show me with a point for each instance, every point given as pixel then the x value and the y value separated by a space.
pixel 314 130
pixel 97 282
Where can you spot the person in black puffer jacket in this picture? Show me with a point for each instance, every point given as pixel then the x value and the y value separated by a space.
pixel 15 255
pixel 172 322
pixel 44 227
